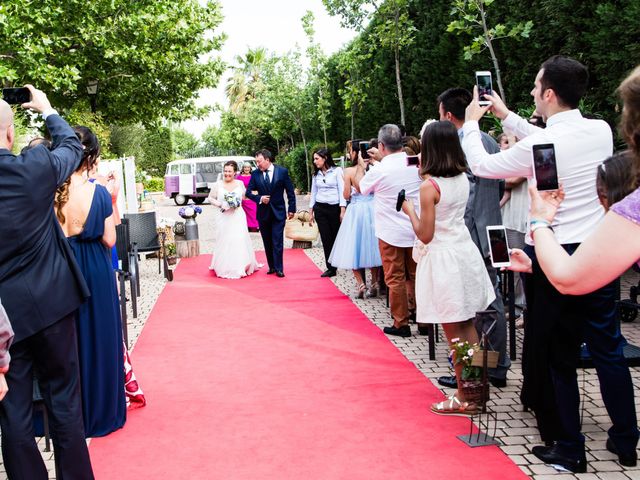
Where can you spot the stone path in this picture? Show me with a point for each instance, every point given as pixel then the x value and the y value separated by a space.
pixel 515 429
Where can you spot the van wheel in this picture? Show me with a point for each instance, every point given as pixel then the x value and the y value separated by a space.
pixel 199 200
pixel 181 200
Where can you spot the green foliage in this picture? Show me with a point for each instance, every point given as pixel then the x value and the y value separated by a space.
pixel 147 55
pixel 184 142
pixel 153 184
pixel 81 116
pixel 295 161
pixel 127 140
pixel 157 151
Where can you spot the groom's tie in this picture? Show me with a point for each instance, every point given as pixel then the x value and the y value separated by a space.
pixel 267 180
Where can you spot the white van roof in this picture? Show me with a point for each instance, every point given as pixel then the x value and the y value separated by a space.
pixel 238 159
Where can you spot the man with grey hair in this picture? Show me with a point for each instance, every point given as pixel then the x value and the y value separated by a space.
pixel 386 178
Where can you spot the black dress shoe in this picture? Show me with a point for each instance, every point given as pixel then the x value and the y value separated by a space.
pixel 329 273
pixel 625 459
pixel 279 274
pixel 423 329
pixel 552 456
pixel 448 381
pixel 498 382
pixel 271 271
pixel 404 331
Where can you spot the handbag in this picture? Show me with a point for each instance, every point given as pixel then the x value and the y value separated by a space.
pixel 300 228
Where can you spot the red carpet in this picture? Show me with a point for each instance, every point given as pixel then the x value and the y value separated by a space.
pixel 268 378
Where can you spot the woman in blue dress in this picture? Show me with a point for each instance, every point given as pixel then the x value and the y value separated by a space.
pixel 85 214
pixel 356 245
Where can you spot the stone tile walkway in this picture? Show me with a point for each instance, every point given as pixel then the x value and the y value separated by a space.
pixel 515 429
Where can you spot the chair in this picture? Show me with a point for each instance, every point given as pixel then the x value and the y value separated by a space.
pixel 128 271
pixel 143 234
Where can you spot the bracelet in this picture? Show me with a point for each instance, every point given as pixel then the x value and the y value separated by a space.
pixel 535 224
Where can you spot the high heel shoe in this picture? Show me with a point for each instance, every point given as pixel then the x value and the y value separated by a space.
pixel 360 289
pixel 372 292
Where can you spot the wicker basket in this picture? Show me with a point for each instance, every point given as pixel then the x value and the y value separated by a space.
pixel 472 391
pixel 300 228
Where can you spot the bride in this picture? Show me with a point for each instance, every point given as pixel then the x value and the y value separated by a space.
pixel 233 255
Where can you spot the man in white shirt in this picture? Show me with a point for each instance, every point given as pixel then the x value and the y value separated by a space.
pixel 557 323
pixel 386 179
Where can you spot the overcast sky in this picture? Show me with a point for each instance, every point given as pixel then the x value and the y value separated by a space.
pixel 273 24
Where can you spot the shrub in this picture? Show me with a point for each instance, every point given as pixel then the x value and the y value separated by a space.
pixel 154 184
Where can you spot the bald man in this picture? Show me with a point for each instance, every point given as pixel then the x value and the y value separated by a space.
pixel 41 288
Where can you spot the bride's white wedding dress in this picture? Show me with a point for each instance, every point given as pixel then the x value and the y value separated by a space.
pixel 233 255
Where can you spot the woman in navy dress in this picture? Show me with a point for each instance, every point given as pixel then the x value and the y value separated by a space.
pixel 85 214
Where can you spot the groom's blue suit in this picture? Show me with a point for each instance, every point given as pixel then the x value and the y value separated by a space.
pixel 272 216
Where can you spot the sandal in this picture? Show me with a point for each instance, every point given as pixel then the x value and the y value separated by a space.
pixel 372 292
pixel 453 406
pixel 360 290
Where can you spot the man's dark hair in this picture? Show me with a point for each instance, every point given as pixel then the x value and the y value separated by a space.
pixel 442 155
pixel 266 154
pixel 567 77
pixel 455 101
pixel 391 136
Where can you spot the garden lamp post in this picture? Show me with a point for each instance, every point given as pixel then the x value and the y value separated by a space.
pixel 92 90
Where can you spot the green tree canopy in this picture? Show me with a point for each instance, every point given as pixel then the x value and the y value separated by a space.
pixel 150 57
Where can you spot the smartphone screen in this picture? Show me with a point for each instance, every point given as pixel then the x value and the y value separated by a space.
pixel 544 167
pixel 498 246
pixel 364 146
pixel 16 96
pixel 483 80
pixel 413 160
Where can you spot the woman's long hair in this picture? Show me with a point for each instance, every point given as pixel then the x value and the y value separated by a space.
pixel 441 153
pixel 328 159
pixel 90 155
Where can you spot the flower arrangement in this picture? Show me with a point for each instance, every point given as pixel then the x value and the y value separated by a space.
pixel 463 353
pixel 232 199
pixel 189 212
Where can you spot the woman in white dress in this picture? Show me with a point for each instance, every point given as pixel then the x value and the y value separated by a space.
pixel 452 283
pixel 233 255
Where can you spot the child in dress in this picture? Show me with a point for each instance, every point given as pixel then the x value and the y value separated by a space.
pixel 452 283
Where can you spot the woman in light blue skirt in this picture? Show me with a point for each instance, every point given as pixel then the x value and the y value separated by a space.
pixel 356 245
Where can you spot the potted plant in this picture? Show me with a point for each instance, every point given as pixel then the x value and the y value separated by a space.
pixel 170 248
pixel 470 357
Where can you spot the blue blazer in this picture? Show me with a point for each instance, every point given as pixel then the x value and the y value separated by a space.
pixel 40 282
pixel 280 183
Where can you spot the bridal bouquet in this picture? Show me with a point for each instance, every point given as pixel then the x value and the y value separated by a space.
pixel 232 199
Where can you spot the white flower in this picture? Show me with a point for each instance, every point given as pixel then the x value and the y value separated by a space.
pixel 454 340
pixel 465 358
pixel 470 352
pixel 461 344
pixel 189 212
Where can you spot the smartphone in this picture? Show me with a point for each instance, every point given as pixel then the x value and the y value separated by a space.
pixel 16 96
pixel 400 201
pixel 483 81
pixel 364 146
pixel 544 167
pixel 413 160
pixel 498 246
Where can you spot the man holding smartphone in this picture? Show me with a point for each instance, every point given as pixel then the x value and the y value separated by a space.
pixel 386 179
pixel 483 209
pixel 558 323
pixel 41 288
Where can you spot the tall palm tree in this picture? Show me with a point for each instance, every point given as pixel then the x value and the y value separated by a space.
pixel 243 85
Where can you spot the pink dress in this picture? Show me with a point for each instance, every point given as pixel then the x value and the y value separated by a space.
pixel 249 206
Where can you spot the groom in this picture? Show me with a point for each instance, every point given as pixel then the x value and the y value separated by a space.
pixel 270 182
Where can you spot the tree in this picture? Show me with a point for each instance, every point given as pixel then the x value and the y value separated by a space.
pixel 184 143
pixel 317 73
pixel 242 86
pixel 392 27
pixel 150 57
pixel 472 18
pixel 356 84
